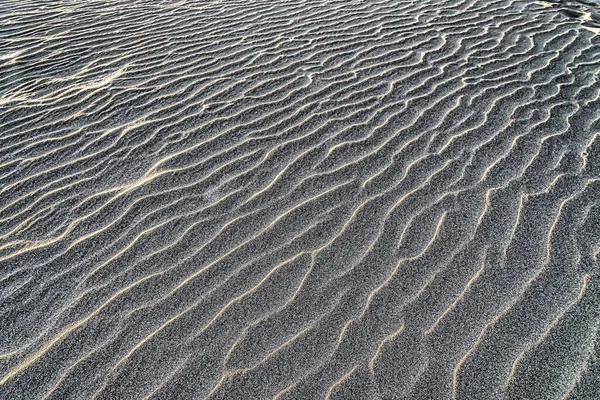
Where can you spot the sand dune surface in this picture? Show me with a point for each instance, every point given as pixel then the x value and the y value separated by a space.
pixel 304 199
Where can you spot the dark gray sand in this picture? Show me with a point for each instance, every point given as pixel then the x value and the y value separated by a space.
pixel 311 199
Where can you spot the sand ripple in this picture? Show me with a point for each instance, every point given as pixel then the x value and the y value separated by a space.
pixel 299 199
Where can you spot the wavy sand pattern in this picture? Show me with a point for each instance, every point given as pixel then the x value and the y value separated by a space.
pixel 299 199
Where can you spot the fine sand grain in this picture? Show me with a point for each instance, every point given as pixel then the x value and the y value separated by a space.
pixel 307 199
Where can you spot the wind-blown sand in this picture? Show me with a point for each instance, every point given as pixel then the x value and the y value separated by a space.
pixel 299 199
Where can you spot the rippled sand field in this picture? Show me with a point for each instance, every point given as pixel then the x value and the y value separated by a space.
pixel 311 199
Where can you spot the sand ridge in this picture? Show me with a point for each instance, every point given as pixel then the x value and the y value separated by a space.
pixel 299 199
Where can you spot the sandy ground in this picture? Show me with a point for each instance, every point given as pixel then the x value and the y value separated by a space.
pixel 312 199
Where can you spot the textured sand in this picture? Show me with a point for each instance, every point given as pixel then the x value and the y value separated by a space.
pixel 313 199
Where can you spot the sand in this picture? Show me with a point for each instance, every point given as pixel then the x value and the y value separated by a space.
pixel 381 199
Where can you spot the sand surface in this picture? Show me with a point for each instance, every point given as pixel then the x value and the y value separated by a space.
pixel 231 199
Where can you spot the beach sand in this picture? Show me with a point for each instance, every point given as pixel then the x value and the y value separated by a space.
pixel 311 199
